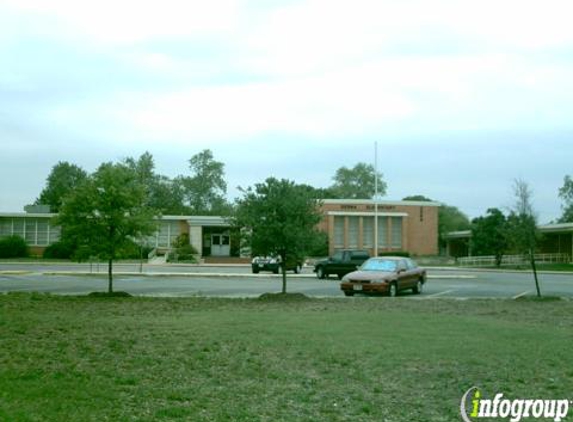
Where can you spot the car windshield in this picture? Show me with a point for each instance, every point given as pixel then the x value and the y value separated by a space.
pixel 379 265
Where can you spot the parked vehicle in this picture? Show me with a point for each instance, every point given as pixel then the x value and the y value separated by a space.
pixel 387 275
pixel 341 263
pixel 273 264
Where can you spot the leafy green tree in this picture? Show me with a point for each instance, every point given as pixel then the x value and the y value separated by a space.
pixel 205 190
pixel 106 213
pixel 357 182
pixel 162 193
pixel 566 194
pixel 489 235
pixel 63 179
pixel 278 218
pixel 321 193
pixel 522 226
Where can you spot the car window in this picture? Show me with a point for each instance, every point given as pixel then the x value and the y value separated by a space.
pixel 379 265
pixel 337 256
pixel 411 264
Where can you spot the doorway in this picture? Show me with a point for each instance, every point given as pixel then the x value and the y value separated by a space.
pixel 220 244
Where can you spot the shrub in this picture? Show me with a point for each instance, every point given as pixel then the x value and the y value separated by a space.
pixel 184 251
pixel 14 247
pixel 59 250
pixel 395 253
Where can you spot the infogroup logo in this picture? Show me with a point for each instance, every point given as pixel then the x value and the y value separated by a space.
pixel 474 406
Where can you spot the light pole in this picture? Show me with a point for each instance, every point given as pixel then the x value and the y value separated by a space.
pixel 376 198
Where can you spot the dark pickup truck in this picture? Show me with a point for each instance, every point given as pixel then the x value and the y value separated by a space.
pixel 341 263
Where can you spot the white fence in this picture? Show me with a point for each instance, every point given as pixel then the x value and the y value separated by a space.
pixel 512 260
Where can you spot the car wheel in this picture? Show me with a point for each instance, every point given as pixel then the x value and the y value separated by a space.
pixel 346 293
pixel 393 292
pixel 418 288
pixel 255 270
pixel 340 276
pixel 320 273
pixel 276 271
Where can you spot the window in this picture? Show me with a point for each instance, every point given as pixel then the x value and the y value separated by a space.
pixel 31 231
pixel 338 232
pixel 43 225
pixel 5 227
pixel 396 232
pixel 353 226
pixel 382 232
pixel 367 232
pixel 19 227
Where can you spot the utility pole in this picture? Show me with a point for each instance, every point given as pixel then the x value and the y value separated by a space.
pixel 376 198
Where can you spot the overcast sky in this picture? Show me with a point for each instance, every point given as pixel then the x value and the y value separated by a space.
pixel 462 97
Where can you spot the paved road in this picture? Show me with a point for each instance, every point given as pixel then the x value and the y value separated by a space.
pixel 238 282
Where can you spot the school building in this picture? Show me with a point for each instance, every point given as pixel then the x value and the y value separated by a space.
pixel 402 226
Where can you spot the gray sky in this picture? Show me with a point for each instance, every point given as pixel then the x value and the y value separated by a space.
pixel 462 97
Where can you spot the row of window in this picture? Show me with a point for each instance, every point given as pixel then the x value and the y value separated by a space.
pixel 36 231
pixel 389 232
pixel 40 232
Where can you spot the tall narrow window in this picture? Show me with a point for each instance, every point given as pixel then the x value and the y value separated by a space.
pixel 396 232
pixel 382 232
pixel 353 227
pixel 368 232
pixel 339 232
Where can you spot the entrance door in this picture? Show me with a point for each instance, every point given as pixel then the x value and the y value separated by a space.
pixel 220 245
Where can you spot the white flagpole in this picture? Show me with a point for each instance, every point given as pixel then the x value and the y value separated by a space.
pixel 376 198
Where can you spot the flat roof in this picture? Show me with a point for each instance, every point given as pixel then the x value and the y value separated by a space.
pixel 380 202
pixel 28 214
pixel 543 228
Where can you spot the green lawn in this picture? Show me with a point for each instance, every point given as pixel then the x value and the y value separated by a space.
pixel 364 359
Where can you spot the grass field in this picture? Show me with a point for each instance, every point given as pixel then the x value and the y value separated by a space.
pixel 364 359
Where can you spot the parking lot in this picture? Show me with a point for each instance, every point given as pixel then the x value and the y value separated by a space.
pixel 237 281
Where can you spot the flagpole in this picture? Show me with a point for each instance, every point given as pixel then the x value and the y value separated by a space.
pixel 376 198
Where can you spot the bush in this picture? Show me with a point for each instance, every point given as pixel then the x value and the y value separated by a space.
pixel 184 251
pixel 14 247
pixel 395 253
pixel 59 250
pixel 134 251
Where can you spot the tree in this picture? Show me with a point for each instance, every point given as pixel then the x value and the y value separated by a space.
pixel 522 226
pixel 489 235
pixel 357 182
pixel 205 190
pixel 566 194
pixel 278 218
pixel 105 213
pixel 63 179
pixel 450 218
pixel 162 194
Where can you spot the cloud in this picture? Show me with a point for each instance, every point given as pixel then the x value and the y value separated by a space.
pixel 130 21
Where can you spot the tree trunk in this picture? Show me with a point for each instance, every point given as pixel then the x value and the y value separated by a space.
pixel 110 276
pixel 534 268
pixel 283 268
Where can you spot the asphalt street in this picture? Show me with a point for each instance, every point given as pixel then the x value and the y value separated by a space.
pixel 237 281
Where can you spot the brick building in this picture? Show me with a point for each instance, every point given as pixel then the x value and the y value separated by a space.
pixel 410 226
pixel 402 226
